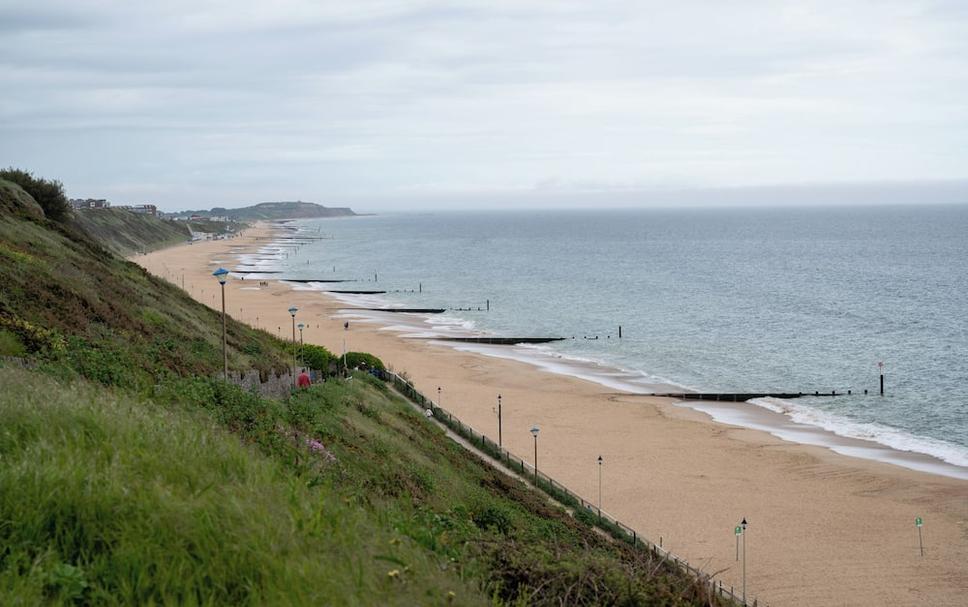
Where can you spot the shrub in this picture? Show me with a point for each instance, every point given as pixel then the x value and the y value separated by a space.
pixel 359 359
pixel 10 345
pixel 316 357
pixel 33 337
pixel 48 194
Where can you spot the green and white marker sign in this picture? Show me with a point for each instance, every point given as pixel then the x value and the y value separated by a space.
pixel 918 522
pixel 739 530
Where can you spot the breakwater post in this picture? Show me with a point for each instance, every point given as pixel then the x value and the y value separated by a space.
pixel 620 331
pixel 420 287
pixel 488 305
pixel 880 367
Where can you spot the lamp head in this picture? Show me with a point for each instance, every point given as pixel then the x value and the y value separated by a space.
pixel 600 460
pixel 293 310
pixel 221 274
pixel 300 326
pixel 743 524
pixel 534 430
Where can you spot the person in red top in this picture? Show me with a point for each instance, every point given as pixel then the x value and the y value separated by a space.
pixel 303 380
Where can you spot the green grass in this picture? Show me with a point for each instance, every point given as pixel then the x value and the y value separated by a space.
pixel 114 499
pixel 108 500
pixel 125 232
pixel 66 297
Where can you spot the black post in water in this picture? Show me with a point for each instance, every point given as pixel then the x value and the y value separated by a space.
pixel 421 287
pixel 488 305
pixel 620 331
pixel 880 367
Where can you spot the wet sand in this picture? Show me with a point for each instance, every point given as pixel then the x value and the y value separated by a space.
pixel 825 528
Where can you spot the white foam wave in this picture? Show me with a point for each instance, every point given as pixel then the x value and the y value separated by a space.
pixel 884 435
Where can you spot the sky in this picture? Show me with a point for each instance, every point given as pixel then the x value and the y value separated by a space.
pixel 388 105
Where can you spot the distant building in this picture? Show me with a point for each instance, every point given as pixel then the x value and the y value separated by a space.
pixel 142 209
pixel 89 203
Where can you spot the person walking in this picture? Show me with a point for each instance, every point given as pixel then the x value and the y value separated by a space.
pixel 303 381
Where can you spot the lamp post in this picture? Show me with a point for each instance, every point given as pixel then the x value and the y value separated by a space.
pixel 743 525
pixel 438 396
pixel 221 274
pixel 302 356
pixel 499 422
pixel 534 432
pixel 292 312
pixel 600 460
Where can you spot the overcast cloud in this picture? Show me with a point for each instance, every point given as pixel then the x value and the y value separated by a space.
pixel 193 104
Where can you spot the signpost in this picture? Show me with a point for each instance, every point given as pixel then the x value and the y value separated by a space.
pixel 738 531
pixel 919 523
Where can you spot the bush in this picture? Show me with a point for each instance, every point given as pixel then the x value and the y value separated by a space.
pixel 360 359
pixel 316 357
pixel 48 194
pixel 10 345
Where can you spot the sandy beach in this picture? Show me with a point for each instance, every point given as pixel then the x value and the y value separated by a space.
pixel 824 528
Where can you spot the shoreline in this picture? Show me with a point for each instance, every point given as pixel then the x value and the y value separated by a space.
pixel 762 416
pixel 829 528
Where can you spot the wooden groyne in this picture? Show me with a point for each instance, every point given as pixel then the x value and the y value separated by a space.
pixel 319 280
pixel 399 310
pixel 353 292
pixel 239 271
pixel 739 397
pixel 500 341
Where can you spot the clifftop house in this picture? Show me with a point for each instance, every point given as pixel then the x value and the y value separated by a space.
pixel 89 203
pixel 141 209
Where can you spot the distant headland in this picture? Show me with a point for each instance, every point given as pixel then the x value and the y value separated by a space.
pixel 271 210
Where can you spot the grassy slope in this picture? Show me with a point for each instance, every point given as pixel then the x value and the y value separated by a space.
pixel 115 499
pixel 106 499
pixel 131 489
pixel 65 296
pixel 125 232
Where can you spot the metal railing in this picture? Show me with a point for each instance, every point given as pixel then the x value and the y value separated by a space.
pixel 584 510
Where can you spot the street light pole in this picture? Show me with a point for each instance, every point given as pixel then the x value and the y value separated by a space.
pixel 500 441
pixel 221 275
pixel 600 460
pixel 534 433
pixel 302 356
pixel 292 312
pixel 743 525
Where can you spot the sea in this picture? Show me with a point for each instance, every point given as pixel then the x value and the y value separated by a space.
pixel 715 300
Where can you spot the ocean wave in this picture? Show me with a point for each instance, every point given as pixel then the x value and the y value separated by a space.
pixel 887 436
